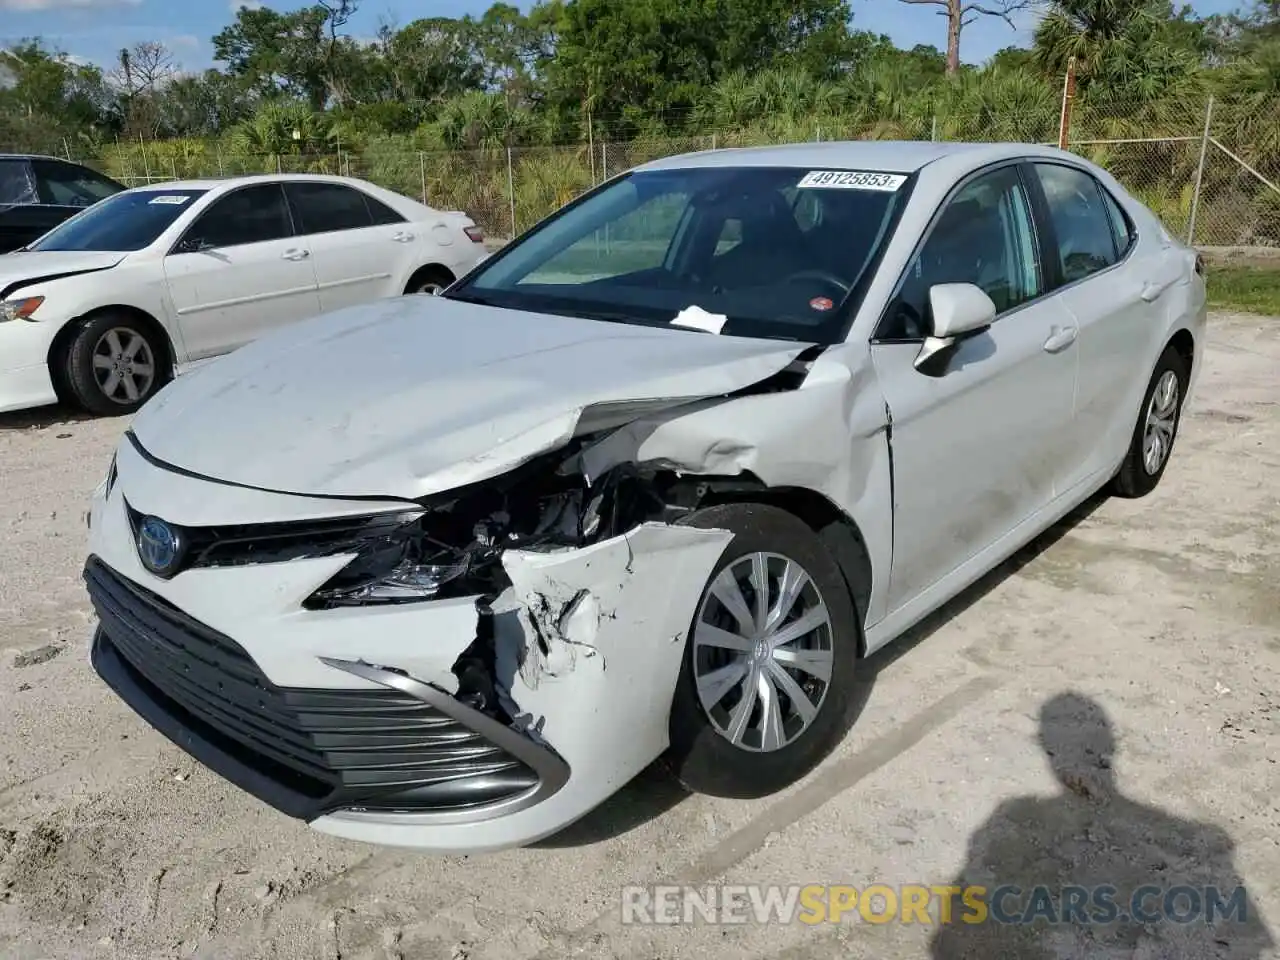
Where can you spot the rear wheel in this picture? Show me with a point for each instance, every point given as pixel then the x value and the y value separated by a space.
pixel 1157 428
pixel 429 281
pixel 765 688
pixel 114 364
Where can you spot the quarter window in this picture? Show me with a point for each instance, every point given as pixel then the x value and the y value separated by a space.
pixel 1080 221
pixel 985 236
pixel 248 215
pixel 327 207
pixel 1120 226
pixel 16 183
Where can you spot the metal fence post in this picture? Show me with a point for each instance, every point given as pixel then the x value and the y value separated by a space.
pixel 604 161
pixel 221 173
pixel 511 192
pixel 1204 153
pixel 422 167
pixel 933 135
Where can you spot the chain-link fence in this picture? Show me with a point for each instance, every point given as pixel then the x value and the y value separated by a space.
pixel 1210 170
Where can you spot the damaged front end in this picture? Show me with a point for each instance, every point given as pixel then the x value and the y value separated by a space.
pixel 484 540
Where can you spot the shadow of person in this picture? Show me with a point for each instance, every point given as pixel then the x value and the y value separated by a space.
pixel 1092 873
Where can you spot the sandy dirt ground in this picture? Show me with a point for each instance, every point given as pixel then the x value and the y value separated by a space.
pixel 1136 648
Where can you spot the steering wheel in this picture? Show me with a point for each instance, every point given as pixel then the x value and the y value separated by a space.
pixel 823 276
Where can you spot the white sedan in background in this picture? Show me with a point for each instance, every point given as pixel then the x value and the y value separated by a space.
pixel 108 306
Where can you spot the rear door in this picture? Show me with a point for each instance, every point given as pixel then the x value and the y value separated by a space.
pixel 1113 291
pixel 239 271
pixel 975 445
pixel 359 246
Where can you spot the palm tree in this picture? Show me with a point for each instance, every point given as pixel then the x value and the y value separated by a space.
pixel 1090 31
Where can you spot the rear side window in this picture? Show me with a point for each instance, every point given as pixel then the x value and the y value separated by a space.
pixel 381 213
pixel 248 215
pixel 1086 243
pixel 16 183
pixel 70 185
pixel 328 207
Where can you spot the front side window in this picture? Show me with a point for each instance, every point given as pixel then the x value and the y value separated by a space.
pixel 249 215
pixel 122 223
pixel 774 250
pixel 69 185
pixel 16 183
pixel 985 235
pixel 1085 240
pixel 327 207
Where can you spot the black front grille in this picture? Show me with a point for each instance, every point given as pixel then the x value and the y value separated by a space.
pixel 304 751
pixel 243 544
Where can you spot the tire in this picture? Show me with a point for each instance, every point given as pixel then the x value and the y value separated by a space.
pixel 1136 478
pixel 114 363
pixel 429 281
pixel 702 754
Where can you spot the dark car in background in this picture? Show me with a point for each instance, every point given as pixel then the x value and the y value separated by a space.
pixel 38 193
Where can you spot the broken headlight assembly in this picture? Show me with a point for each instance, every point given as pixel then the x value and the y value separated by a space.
pixel 454 546
pixel 412 562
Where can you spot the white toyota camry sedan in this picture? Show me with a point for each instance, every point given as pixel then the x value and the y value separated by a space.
pixel 104 309
pixel 447 572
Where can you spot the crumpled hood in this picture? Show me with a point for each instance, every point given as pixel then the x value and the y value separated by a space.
pixel 19 269
pixel 414 395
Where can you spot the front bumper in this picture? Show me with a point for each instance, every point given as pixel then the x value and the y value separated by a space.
pixel 24 369
pixel 308 752
pixel 347 718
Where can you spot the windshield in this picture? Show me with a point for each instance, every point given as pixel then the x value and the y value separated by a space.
pixel 121 223
pixel 776 252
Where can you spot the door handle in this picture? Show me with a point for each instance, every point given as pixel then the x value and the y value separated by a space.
pixel 1151 290
pixel 402 237
pixel 1060 338
pixel 295 254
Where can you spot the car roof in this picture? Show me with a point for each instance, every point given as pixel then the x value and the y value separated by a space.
pixel 213 183
pixel 35 156
pixel 881 156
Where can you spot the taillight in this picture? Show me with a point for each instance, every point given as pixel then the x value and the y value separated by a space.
pixel 475 233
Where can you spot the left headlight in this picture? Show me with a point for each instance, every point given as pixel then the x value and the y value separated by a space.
pixel 21 309
pixel 403 565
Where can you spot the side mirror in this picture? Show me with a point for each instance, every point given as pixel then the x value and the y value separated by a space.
pixel 958 310
pixel 193 245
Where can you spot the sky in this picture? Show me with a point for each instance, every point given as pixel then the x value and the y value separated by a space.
pixel 94 30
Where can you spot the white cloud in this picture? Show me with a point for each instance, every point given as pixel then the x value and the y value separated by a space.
pixel 34 5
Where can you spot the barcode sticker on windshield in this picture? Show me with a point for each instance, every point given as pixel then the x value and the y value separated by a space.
pixel 176 200
pixel 852 180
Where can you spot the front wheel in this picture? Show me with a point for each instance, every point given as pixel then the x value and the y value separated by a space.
pixel 1157 428
pixel 114 364
pixel 766 685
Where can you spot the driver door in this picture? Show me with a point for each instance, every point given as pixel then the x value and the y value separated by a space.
pixel 244 274
pixel 976 445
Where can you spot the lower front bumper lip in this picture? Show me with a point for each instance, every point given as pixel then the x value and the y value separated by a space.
pixel 111 667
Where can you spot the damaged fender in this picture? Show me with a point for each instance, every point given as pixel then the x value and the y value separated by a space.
pixel 585 634
pixel 830 436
